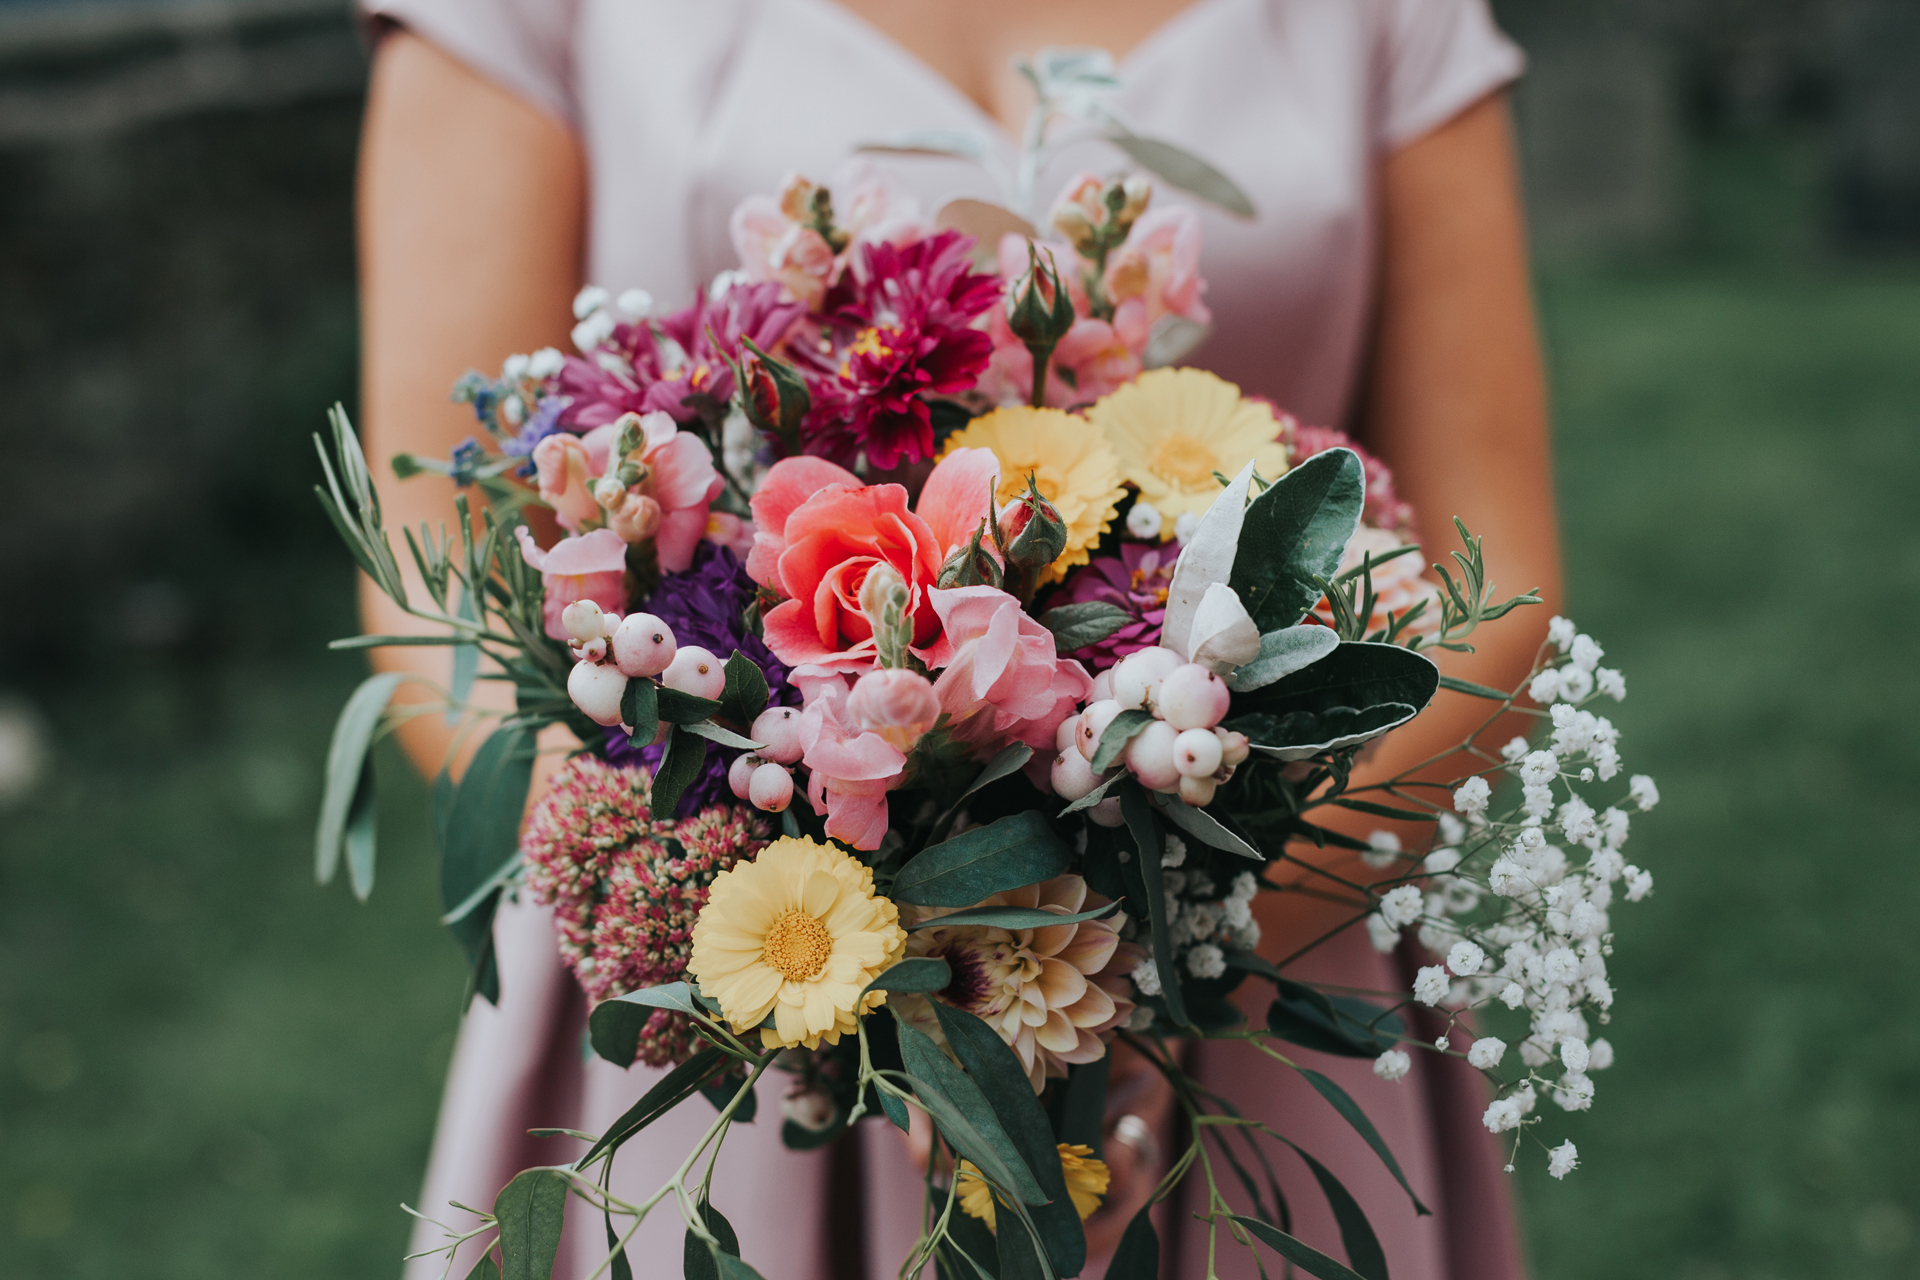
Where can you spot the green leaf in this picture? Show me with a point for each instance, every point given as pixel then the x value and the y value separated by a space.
pixel 668 1092
pixel 1294 530
pixel 1084 1108
pixel 1364 1253
pixel 1094 796
pixel 700 1260
pixel 1343 1025
pixel 982 1256
pixel 1119 733
pixel 1386 810
pixel 466 660
pixel 1358 691
pixel 732 1268
pixel 483 825
pixel 1075 626
pixel 678 996
pixel 346 759
pixel 745 696
pixel 964 143
pixel 1303 1256
pixel 392 642
pixel 485 1269
pixel 1010 760
pixel 1282 653
pixel 683 708
pixel 1182 169
pixel 963 1115
pixel 724 737
pixel 1017 850
pixel 996 1069
pixel 1137 1257
pixel 1013 917
pixel 918 974
pixel 679 766
pixel 1353 1115
pixel 1148 850
pixel 640 708
pixel 1477 690
pixel 1208 829
pixel 362 821
pixel 1016 1250
pixel 619 1268
pixel 531 1211
pixel 1300 734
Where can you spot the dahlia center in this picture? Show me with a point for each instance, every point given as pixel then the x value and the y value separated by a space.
pixel 1187 462
pixel 797 945
pixel 970 979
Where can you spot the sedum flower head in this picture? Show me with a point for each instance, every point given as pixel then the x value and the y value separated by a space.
pixel 1172 429
pixel 1086 1183
pixel 797 933
pixel 1070 463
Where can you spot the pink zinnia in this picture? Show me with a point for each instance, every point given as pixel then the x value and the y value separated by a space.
pixel 1137 581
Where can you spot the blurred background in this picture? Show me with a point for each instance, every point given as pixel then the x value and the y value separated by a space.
pixel 208 1067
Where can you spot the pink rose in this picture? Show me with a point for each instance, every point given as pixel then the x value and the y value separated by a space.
pixel 592 566
pixel 1005 681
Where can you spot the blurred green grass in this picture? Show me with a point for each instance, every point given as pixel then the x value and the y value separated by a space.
pixel 208 1067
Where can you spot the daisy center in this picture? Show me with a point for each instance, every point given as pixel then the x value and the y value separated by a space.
pixel 797 945
pixel 1187 462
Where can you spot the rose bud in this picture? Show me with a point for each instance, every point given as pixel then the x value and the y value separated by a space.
pixel 1031 530
pixel 1038 309
pixel 779 729
pixel 1192 697
pixel 597 689
pixel 643 645
pixel 695 671
pixel 770 788
pixel 970 564
pixel 774 396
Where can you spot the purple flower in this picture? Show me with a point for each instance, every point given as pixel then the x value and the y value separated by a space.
pixel 544 422
pixel 1136 580
pixel 706 606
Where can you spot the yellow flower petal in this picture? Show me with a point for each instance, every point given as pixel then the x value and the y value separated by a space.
pixel 1173 429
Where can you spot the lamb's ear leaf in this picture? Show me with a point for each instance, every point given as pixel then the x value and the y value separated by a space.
pixel 1181 168
pixel 1208 557
pixel 1282 653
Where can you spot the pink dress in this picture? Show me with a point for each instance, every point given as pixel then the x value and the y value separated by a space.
pixel 685 108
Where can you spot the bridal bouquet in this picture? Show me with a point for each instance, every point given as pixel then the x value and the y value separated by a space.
pixel 951 674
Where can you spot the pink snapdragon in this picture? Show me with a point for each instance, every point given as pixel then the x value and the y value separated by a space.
pixel 591 566
pixel 850 768
pixel 777 241
pixel 668 503
pixel 1005 682
pixel 1158 266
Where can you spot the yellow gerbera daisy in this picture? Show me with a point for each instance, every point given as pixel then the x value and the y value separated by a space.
pixel 1086 1183
pixel 797 932
pixel 1070 464
pixel 1174 428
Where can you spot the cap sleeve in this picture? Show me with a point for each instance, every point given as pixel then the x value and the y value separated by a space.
pixel 1439 57
pixel 525 46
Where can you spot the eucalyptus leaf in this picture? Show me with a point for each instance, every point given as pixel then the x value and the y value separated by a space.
pixel 466 660
pixel 1137 1256
pixel 1350 1112
pixel 1476 690
pixel 963 1115
pixel 1364 1253
pixel 346 757
pixel 1120 731
pixel 486 1268
pixel 1282 653
pixel 1020 849
pixel 964 143
pixel 620 1268
pixel 1386 810
pixel 1182 169
pixel 668 1092
pixel 1003 1080
pixel 1303 1256
pixel 700 1260
pixel 1083 1110
pixel 1297 528
pixel 531 1210
pixel 1149 848
pixel 1012 918
pixel 1341 1025
pixel 916 974
pixel 732 1268
pixel 483 833
pixel 1208 829
pixel 1075 626
pixel 981 1259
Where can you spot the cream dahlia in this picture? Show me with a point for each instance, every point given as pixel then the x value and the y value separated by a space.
pixel 1053 993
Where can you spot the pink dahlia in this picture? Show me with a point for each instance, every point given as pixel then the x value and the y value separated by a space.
pixel 1137 581
pixel 903 324
pixel 1384 509
pixel 625 890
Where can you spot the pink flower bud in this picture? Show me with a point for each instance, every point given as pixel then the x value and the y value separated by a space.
pixel 597 689
pixel 1192 697
pixel 1150 757
pixel 1196 753
pixel 779 729
pixel 1072 776
pixel 895 703
pixel 695 671
pixel 636 518
pixel 771 787
pixel 643 645
pixel 740 771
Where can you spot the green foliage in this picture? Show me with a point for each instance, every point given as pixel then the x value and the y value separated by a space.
pixel 679 765
pixel 531 1210
pixel 1303 1256
pixel 1294 534
pixel 963 1115
pixel 701 1260
pixel 1137 1256
pixel 640 707
pixel 745 696
pixel 1017 850
pixel 1075 626
pixel 1350 1111
pixel 481 843
pixel 348 793
pixel 914 974
pixel 668 1092
pixel 1144 870
pixel 1012 917
pixel 1282 653
pixel 1119 733
pixel 1357 692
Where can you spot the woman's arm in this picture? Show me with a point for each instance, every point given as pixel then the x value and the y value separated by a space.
pixel 1456 405
pixel 470 213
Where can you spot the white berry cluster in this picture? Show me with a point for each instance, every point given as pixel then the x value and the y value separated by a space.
pixel 1181 752
pixel 1518 903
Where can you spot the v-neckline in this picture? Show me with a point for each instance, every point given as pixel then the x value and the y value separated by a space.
pixel 991 125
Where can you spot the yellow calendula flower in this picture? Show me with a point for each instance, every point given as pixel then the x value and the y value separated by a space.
pixel 797 932
pixel 1086 1183
pixel 1172 429
pixel 1070 464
